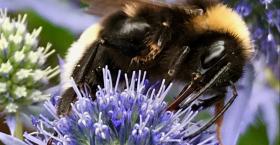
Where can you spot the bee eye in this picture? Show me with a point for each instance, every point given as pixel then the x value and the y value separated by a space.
pixel 213 54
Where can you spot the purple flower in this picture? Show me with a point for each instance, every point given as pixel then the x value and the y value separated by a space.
pixel 129 117
pixel 264 100
pixel 255 97
pixel 257 33
pixel 266 2
pixel 244 9
pixel 273 18
pixel 267 45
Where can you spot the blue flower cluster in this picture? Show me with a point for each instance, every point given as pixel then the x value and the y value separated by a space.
pixel 127 117
pixel 263 17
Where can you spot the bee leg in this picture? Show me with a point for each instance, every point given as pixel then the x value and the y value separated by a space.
pixel 218 100
pixel 218 114
pixel 205 103
pixel 189 101
pixel 83 74
pixel 64 104
pixel 218 108
pixel 187 90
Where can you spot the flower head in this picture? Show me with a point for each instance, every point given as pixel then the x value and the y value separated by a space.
pixel 273 18
pixel 244 9
pixel 21 65
pixel 266 2
pixel 129 116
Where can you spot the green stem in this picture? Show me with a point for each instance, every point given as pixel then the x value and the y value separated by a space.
pixel 19 127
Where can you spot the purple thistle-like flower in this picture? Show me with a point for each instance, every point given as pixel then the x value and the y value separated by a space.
pixel 244 9
pixel 130 116
pixel 273 18
pixel 266 2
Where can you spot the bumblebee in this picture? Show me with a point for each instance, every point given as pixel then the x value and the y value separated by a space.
pixel 203 43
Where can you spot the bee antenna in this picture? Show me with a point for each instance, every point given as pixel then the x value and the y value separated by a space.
pixel 214 119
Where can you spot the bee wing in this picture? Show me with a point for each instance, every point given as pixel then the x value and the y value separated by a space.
pixel 104 7
pixel 87 64
pixel 86 73
pixel 81 60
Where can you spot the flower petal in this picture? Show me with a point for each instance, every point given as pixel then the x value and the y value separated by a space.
pixel 10 140
pixel 232 123
pixel 11 122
